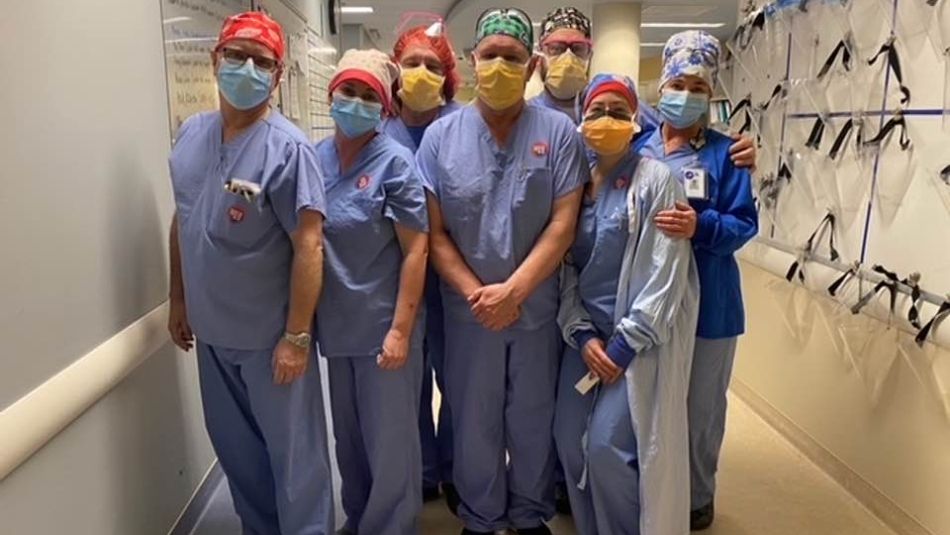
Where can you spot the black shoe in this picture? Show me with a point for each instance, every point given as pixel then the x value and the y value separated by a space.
pixel 430 494
pixel 452 498
pixel 702 518
pixel 466 531
pixel 540 530
pixel 562 503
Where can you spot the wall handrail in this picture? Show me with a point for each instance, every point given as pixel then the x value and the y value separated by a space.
pixel 35 419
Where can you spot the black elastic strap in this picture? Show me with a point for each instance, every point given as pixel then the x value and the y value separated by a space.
pixel 747 125
pixel 794 268
pixel 842 137
pixel 897 120
pixel 895 63
pixel 913 314
pixel 889 282
pixel 841 48
pixel 817 132
pixel 743 104
pixel 785 172
pixel 839 282
pixel 942 313
pixel 892 279
pixel 769 190
pixel 778 90
pixel 748 31
pixel 828 221
pixel 797 266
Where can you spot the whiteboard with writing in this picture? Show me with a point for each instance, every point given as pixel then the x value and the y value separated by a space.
pixel 191 29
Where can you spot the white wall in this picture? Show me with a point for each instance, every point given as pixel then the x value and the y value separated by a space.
pixel 85 207
pixel 890 449
pixel 879 419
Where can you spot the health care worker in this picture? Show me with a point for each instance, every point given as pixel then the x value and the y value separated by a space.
pixel 566 49
pixel 629 302
pixel 504 183
pixel 719 219
pixel 427 83
pixel 246 261
pixel 376 244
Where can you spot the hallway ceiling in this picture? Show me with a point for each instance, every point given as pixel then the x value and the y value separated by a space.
pixel 462 14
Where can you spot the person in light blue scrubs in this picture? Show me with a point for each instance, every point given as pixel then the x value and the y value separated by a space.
pixel 376 244
pixel 504 182
pixel 566 50
pixel 427 84
pixel 719 219
pixel 629 303
pixel 245 277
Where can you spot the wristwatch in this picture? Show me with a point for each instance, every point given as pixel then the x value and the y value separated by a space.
pixel 301 340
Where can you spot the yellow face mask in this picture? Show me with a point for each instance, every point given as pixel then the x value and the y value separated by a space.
pixel 500 83
pixel 421 89
pixel 567 75
pixel 608 136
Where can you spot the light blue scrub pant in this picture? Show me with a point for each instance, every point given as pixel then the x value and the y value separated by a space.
pixel 270 441
pixel 375 414
pixel 436 437
pixel 604 486
pixel 501 386
pixel 708 383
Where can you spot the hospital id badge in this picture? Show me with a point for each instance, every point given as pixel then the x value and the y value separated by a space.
pixel 696 183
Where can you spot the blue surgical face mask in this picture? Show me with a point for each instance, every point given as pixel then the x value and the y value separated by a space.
pixel 682 109
pixel 244 86
pixel 354 116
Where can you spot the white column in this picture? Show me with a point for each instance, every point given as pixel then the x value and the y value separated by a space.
pixel 616 26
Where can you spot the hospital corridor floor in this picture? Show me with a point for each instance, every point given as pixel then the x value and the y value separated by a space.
pixel 766 487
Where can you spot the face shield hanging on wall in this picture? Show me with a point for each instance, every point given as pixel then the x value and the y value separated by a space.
pixel 934 164
pixel 890 156
pixel 740 50
pixel 871 350
pixel 915 24
pixel 870 23
pixel 847 175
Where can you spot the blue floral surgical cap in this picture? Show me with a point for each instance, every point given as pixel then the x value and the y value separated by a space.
pixel 691 53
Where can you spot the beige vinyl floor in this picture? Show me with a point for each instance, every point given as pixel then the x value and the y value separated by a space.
pixel 766 487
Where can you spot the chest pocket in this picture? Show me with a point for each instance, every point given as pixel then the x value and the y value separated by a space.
pixel 465 197
pixel 233 220
pixel 533 195
pixel 612 225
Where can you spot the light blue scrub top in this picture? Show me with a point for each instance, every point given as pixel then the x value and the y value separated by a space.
pixel 395 128
pixel 598 250
pixel 363 258
pixel 496 201
pixel 236 255
pixel 544 100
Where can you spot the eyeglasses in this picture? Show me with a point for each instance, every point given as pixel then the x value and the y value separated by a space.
pixel 581 48
pixel 239 57
pixel 619 114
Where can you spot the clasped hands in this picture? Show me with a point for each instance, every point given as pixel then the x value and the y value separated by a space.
pixel 495 306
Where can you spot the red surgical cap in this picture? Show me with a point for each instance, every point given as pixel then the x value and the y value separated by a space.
pixel 609 83
pixel 420 36
pixel 254 26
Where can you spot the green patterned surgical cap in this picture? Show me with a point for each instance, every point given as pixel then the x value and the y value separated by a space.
pixel 505 21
